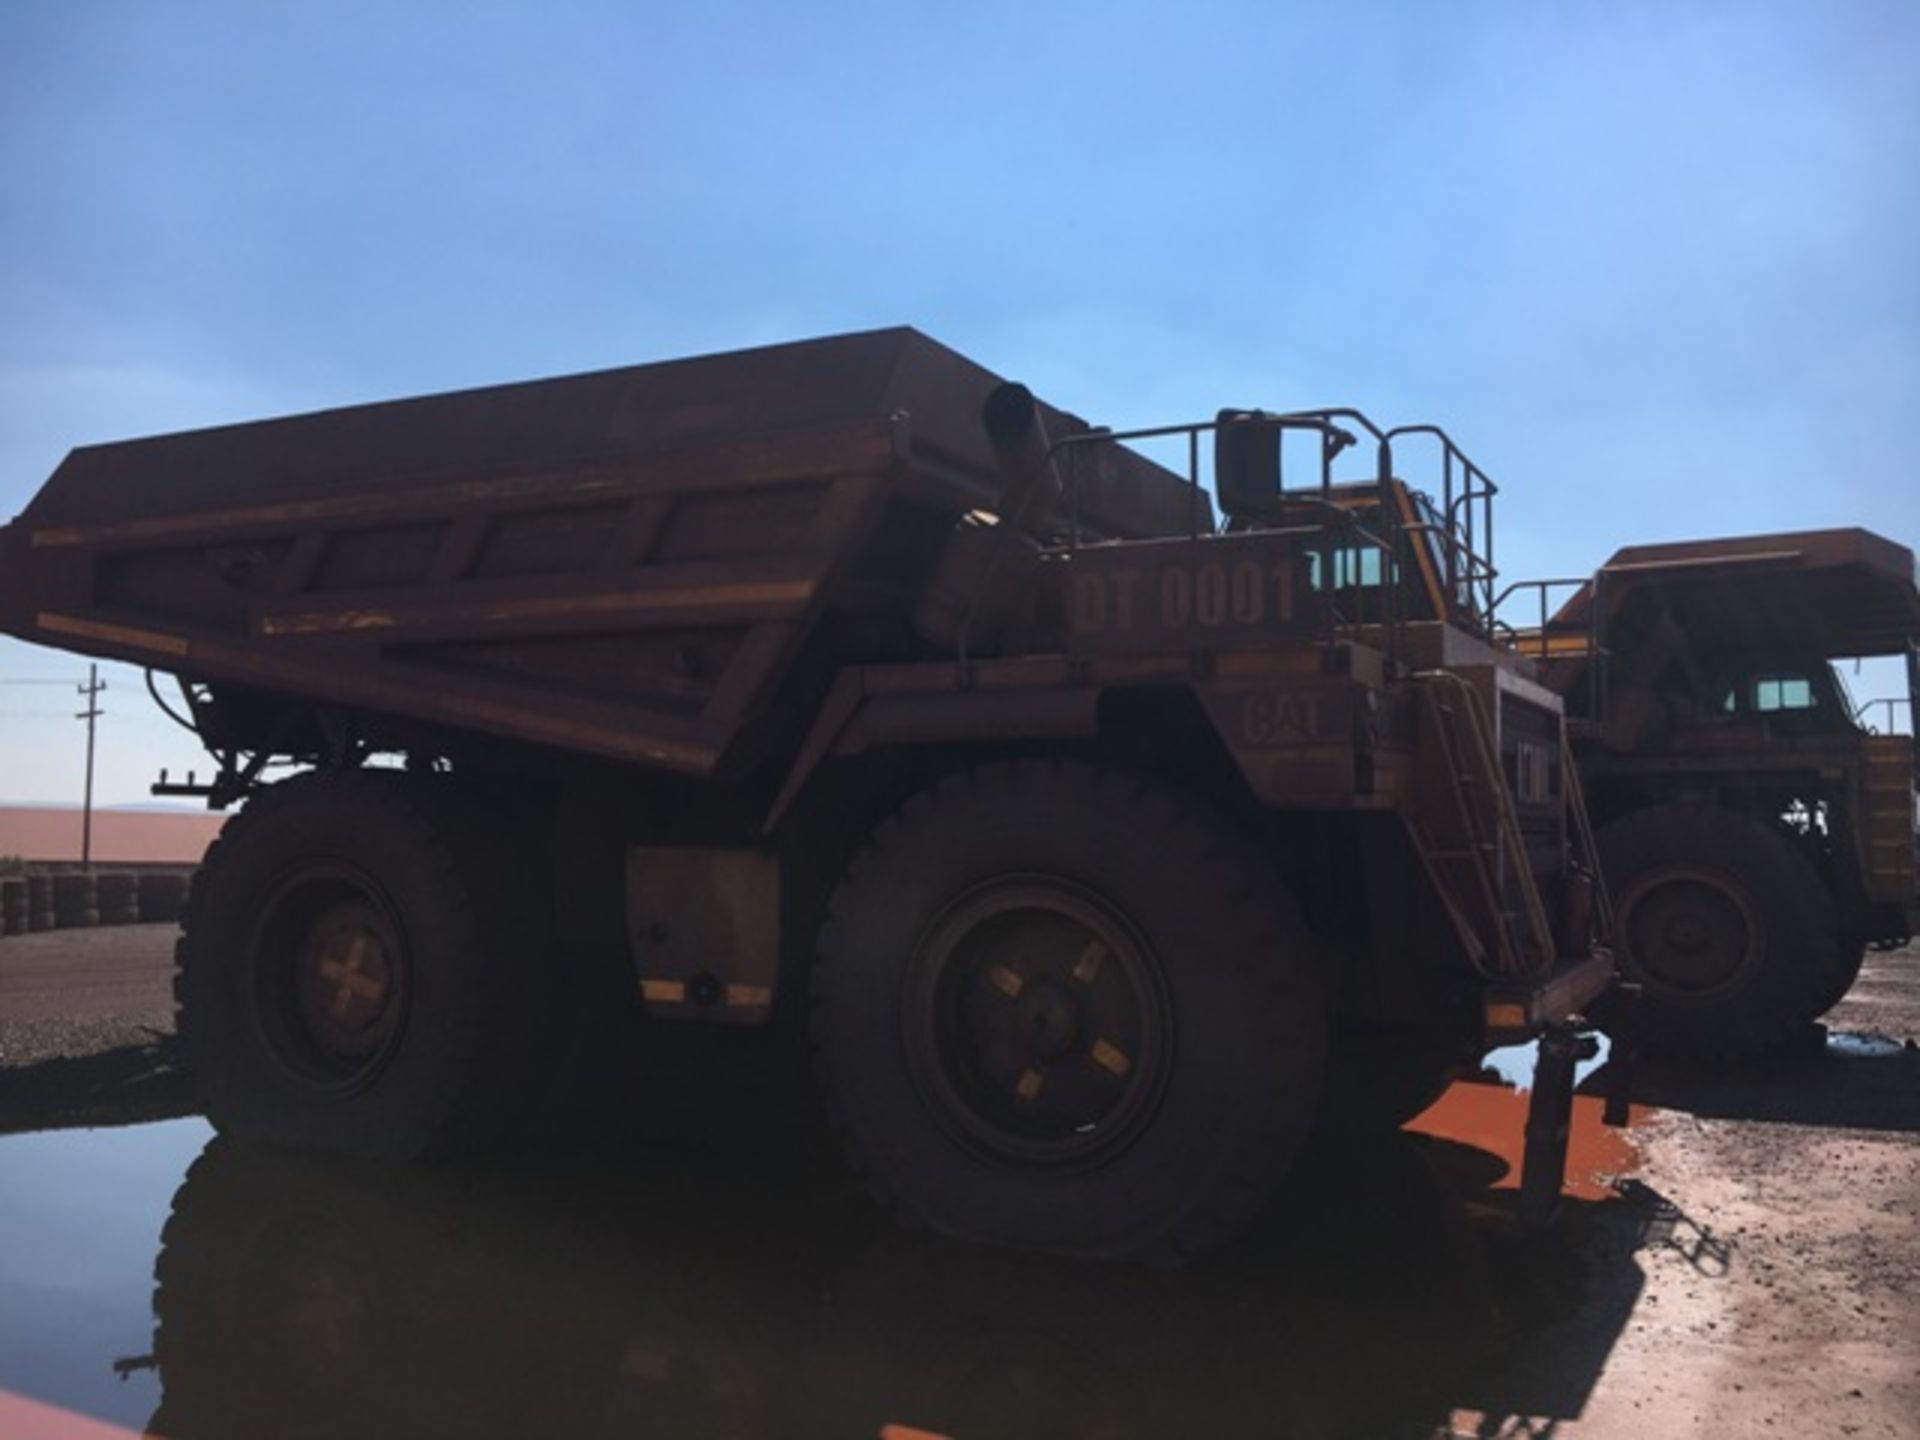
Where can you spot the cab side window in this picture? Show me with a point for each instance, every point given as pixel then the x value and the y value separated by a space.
pixel 1352 565
pixel 1782 692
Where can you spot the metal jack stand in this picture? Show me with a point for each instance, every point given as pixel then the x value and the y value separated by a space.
pixel 1543 1169
pixel 1624 1058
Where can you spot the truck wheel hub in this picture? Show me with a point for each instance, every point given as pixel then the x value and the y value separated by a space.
pixel 1035 1022
pixel 1050 1020
pixel 347 983
pixel 1689 930
pixel 328 975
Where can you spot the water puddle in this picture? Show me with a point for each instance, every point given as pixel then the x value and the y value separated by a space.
pixel 81 1212
pixel 1844 1046
pixel 1515 1063
pixel 1489 1112
pixel 163 1283
pixel 1493 1118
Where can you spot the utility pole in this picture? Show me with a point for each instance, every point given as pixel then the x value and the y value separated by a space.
pixel 90 692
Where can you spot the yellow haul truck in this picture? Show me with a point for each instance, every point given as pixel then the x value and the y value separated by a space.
pixel 1759 831
pixel 1098 842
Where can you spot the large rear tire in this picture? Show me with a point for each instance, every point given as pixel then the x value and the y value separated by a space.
pixel 1060 1008
pixel 1727 928
pixel 364 967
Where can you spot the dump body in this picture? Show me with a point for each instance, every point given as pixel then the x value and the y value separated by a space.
pixel 624 564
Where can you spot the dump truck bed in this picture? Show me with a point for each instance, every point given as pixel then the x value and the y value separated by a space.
pixel 1830 592
pixel 627 563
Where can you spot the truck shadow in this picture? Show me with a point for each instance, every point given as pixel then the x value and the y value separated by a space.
pixel 1838 1079
pixel 695 1286
pixel 129 1085
pixel 1566 1306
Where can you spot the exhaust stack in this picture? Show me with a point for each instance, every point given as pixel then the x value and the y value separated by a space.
pixel 1029 484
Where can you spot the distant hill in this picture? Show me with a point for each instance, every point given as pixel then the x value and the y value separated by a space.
pixel 120 837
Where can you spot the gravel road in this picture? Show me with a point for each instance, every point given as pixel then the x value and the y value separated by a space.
pixel 86 1028
pixel 65 994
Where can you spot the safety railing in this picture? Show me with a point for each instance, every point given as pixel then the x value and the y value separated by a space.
pixel 1335 528
pixel 1465 529
pixel 1893 705
pixel 1459 532
pixel 1536 641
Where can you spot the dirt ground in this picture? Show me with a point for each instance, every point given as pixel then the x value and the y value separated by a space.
pixel 1760 1272
pixel 86 1028
pixel 1744 1262
pixel 77 992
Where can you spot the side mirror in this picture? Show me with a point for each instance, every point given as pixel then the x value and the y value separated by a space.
pixel 1246 464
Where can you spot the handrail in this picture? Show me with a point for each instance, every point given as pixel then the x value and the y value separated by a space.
pixel 1597 674
pixel 1581 820
pixel 1467 515
pixel 1506 819
pixel 1464 567
pixel 1543 588
pixel 1892 702
pixel 1333 440
pixel 1463 532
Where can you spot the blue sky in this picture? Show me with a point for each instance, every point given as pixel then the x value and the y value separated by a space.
pixel 1656 265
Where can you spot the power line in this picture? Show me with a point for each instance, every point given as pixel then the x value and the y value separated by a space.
pixel 136 718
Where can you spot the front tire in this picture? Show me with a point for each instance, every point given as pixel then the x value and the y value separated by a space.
pixel 363 968
pixel 1849 959
pixel 1727 928
pixel 1060 1008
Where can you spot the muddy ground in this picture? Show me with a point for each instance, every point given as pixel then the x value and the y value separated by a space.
pixel 1745 1262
